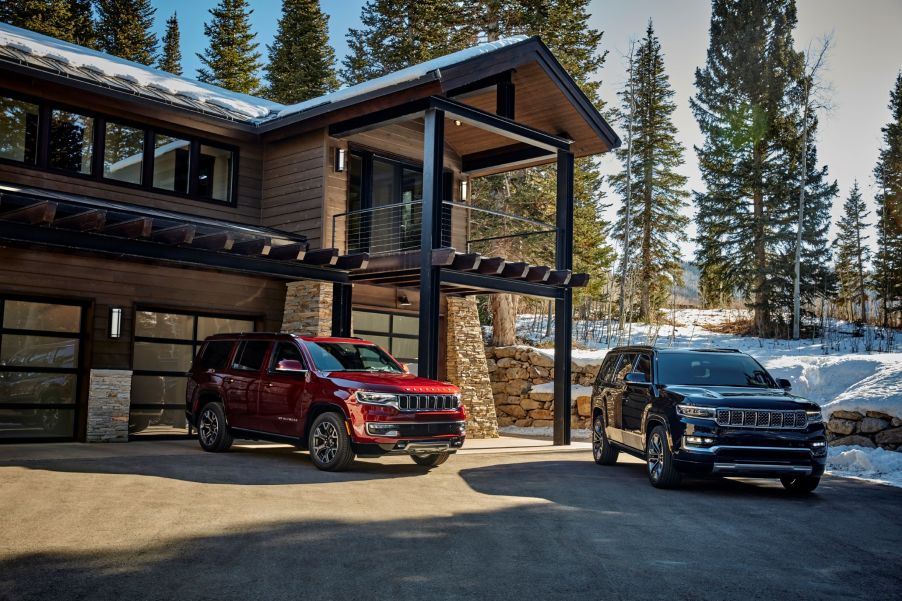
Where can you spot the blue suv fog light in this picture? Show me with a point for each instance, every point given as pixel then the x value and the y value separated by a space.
pixel 698 441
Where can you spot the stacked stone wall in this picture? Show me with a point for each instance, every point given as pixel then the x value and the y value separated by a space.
pixel 466 367
pixel 108 405
pixel 518 374
pixel 869 429
pixel 308 308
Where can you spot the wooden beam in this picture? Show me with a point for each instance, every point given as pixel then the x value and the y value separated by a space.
pixel 321 256
pixel 491 265
pixel 466 262
pixel 39 213
pixel 86 221
pixel 516 270
pixel 538 274
pixel 443 257
pixel 140 227
pixel 215 241
pixel 288 252
pixel 579 280
pixel 179 234
pixel 255 246
pixel 351 262
pixel 559 277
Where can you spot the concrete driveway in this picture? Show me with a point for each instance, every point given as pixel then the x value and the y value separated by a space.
pixel 164 520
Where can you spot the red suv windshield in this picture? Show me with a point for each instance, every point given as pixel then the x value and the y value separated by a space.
pixel 348 356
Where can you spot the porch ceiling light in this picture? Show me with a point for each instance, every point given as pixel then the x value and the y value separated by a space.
pixel 115 322
pixel 457 122
pixel 340 157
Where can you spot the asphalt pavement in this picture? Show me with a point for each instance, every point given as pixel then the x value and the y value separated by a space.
pixel 164 520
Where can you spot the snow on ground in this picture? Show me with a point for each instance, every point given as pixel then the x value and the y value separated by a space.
pixel 575 390
pixel 875 465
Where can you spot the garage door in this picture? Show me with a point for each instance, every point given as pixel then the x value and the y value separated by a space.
pixel 40 359
pixel 165 344
pixel 398 334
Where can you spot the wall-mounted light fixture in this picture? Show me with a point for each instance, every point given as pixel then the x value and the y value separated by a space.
pixel 464 190
pixel 340 157
pixel 457 122
pixel 115 322
pixel 403 301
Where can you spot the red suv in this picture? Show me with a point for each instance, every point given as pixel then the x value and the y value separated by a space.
pixel 339 397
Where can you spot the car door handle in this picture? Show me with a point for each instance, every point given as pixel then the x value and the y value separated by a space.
pixel 269 384
pixel 229 380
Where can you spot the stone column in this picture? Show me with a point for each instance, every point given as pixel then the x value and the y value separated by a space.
pixel 467 367
pixel 109 395
pixel 308 308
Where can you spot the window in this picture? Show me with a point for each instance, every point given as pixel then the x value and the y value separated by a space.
pixel 607 370
pixel 286 351
pixel 164 346
pixel 713 369
pixel 348 356
pixel 40 346
pixel 215 355
pixel 71 141
pixel 624 367
pixel 643 365
pixel 171 163
pixel 214 174
pixel 18 130
pixel 250 355
pixel 123 153
pixel 398 334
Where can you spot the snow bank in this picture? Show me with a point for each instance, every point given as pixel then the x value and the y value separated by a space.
pixel 876 465
pixel 580 357
pixel 575 433
pixel 575 390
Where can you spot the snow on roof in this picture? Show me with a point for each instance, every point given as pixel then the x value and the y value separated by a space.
pixel 402 76
pixel 73 55
pixel 251 108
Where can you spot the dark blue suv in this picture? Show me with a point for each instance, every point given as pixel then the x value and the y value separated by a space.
pixel 705 411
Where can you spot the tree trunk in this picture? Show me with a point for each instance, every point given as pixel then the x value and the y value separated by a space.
pixel 762 316
pixel 504 319
pixel 796 284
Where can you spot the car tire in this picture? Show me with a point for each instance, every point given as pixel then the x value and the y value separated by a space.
pixel 602 451
pixel 800 485
pixel 431 460
pixel 329 443
pixel 659 460
pixel 212 429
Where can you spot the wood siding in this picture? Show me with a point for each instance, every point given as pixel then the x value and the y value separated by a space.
pixel 293 182
pixel 128 284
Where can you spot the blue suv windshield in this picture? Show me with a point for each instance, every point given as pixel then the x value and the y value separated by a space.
pixel 712 369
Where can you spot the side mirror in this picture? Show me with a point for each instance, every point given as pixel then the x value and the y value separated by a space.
pixel 291 366
pixel 784 384
pixel 636 377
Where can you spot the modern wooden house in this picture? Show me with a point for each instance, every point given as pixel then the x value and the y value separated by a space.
pixel 141 212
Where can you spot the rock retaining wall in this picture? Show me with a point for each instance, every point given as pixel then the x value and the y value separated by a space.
pixel 521 385
pixel 870 429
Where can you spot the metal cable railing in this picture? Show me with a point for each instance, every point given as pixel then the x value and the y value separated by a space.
pixel 395 228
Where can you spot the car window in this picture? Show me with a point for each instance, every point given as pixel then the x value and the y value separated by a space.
pixel 624 367
pixel 250 355
pixel 643 365
pixel 713 369
pixel 348 356
pixel 607 370
pixel 215 355
pixel 286 351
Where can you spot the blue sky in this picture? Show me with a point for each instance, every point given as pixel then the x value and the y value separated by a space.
pixel 862 65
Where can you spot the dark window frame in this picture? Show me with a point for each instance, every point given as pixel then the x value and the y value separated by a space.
pixel 78 405
pixel 274 353
pixel 42 159
pixel 390 334
pixel 235 366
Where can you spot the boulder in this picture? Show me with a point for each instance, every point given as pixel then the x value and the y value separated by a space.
pixel 501 399
pixel 893 436
pixel 841 426
pixel 541 396
pixel 853 415
pixel 896 422
pixel 516 387
pixel 542 423
pixel 541 414
pixel 870 425
pixel 491 365
pixel 517 373
pixel 530 404
pixel 512 410
pixel 855 439
pixel 880 415
pixel 505 351
pixel 584 405
pixel 540 360
pixel 523 423
pixel 540 372
pixel 505 420
pixel 506 362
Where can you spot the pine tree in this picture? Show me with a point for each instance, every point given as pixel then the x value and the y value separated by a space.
pixel 171 58
pixel 852 255
pixel 656 223
pixel 888 173
pixel 69 20
pixel 231 59
pixel 124 29
pixel 400 33
pixel 750 162
pixel 301 61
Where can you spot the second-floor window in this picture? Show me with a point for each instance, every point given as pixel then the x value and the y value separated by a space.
pixel 48 136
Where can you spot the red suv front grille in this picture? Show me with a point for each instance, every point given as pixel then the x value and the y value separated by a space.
pixel 428 402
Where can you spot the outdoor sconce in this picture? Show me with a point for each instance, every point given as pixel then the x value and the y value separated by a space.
pixel 403 301
pixel 464 190
pixel 340 157
pixel 115 322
